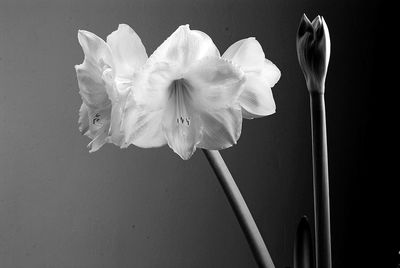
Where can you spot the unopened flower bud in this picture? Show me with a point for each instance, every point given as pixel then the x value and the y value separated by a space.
pixel 313 51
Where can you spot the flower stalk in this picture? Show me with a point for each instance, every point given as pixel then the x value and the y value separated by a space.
pixel 320 181
pixel 240 209
pixel 313 51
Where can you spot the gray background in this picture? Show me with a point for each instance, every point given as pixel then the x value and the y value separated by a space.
pixel 63 207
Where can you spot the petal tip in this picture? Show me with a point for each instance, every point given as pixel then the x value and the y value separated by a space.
pixel 83 34
pixel 124 145
pixel 186 156
pixel 123 25
pixel 304 26
pixel 184 27
pixel 305 18
pixel 317 22
pixel 90 147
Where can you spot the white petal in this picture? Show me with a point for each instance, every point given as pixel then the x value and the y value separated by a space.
pixel 83 121
pixel 99 140
pixel 181 125
pixel 96 51
pixel 220 128
pixel 184 47
pixel 99 125
pixel 247 53
pixel 151 86
pixel 95 111
pixel 115 134
pixel 261 74
pixel 127 49
pixel 200 107
pixel 92 126
pixel 182 141
pixel 256 98
pixel 92 87
pixel 270 73
pixel 143 128
pixel 216 83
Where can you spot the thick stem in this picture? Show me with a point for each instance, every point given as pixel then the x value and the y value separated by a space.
pixel 240 209
pixel 321 181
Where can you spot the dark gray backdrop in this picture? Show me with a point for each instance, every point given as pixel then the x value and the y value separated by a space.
pixel 63 207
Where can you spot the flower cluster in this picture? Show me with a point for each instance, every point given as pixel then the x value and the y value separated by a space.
pixel 185 94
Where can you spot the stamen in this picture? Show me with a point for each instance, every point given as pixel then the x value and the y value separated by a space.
pixel 179 93
pixel 96 120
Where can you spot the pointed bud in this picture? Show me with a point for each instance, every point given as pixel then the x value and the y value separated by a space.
pixel 313 51
pixel 303 249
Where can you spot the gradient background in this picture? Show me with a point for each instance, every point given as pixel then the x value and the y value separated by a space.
pixel 63 207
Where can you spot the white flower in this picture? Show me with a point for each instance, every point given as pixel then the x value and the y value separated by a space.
pixel 185 96
pixel 261 75
pixel 104 79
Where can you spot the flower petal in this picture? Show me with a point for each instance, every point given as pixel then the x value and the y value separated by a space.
pixel 83 121
pixel 261 74
pixel 143 128
pixel 123 87
pixel 99 140
pixel 151 86
pixel 96 51
pixel 93 125
pixel 95 111
pixel 247 53
pixel 256 98
pixel 92 87
pixel 202 104
pixel 270 73
pixel 184 47
pixel 99 125
pixel 216 83
pixel 220 128
pixel 127 49
pixel 115 135
pixel 181 126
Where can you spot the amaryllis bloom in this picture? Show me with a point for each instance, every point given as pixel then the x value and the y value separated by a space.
pixel 313 51
pixel 104 80
pixel 185 96
pixel 261 75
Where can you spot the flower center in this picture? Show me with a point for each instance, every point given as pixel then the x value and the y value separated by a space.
pixel 96 119
pixel 180 97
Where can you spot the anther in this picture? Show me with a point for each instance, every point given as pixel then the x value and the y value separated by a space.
pixel 96 119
